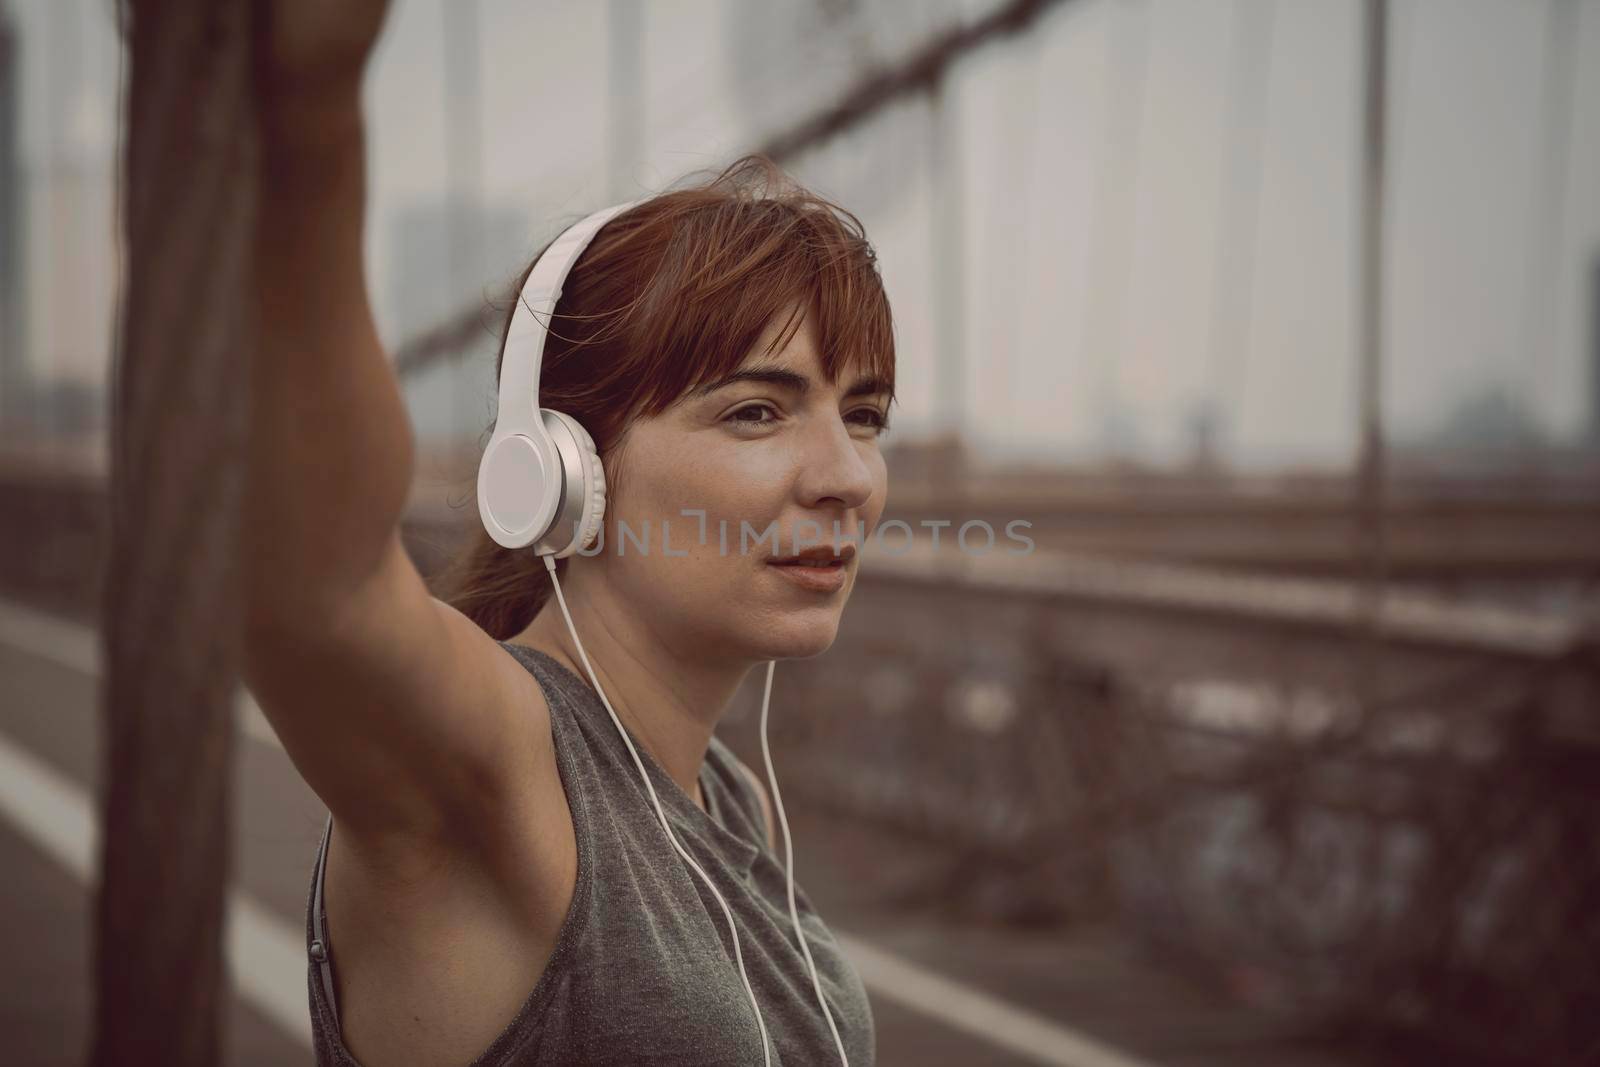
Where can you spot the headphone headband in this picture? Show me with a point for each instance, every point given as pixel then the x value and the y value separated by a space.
pixel 536 304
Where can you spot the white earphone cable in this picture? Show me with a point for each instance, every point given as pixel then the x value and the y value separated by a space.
pixel 550 565
pixel 788 866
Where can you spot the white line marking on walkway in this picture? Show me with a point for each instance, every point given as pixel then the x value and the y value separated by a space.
pixel 275 981
pixel 77 647
pixel 962 1007
pixel 264 955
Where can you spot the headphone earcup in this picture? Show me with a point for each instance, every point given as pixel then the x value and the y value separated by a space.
pixel 519 486
pixel 594 482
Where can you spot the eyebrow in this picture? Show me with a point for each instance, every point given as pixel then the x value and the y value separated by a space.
pixel 788 379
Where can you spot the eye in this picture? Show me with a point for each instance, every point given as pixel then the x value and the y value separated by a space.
pixel 875 419
pixel 749 415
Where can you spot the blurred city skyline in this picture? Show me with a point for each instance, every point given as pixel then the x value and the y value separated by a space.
pixel 1130 280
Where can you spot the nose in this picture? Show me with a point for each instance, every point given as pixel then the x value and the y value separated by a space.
pixel 833 473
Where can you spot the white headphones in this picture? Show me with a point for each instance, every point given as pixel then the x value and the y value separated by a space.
pixel 540 481
pixel 540 476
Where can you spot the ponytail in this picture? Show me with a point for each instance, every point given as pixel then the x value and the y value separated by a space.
pixel 501 589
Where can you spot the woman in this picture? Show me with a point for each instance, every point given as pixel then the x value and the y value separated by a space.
pixel 495 886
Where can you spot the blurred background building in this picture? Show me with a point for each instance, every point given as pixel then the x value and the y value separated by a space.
pixel 1252 761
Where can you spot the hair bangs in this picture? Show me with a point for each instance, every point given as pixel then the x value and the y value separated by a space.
pixel 734 266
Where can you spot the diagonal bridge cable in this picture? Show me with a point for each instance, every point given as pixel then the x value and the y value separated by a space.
pixel 919 72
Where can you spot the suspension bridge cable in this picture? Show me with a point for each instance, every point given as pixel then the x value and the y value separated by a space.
pixel 875 91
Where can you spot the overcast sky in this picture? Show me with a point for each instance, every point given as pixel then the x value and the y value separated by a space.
pixel 1095 157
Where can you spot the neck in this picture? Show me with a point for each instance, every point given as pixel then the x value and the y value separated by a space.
pixel 669 699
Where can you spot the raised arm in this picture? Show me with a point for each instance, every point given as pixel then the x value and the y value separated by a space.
pixel 404 717
pixel 331 448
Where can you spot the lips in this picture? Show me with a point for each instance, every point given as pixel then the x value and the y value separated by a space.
pixel 827 575
pixel 820 556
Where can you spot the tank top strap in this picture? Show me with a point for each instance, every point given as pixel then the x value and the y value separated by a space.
pixel 736 776
pixel 318 947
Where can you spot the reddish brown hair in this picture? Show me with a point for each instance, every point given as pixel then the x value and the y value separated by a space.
pixel 670 295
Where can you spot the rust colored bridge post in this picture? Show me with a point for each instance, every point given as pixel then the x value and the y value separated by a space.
pixel 179 378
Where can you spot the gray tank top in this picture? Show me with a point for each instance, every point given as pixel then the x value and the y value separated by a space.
pixel 643 971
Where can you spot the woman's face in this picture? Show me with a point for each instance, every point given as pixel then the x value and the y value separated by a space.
pixel 774 459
